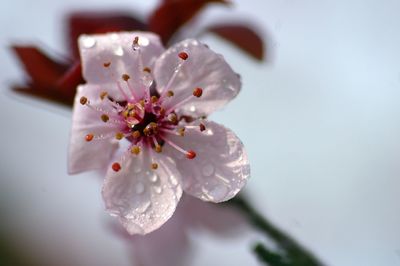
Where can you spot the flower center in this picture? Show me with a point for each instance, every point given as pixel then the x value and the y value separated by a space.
pixel 147 121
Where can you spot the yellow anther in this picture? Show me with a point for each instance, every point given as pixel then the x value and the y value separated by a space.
pixel 83 100
pixel 103 95
pixel 119 135
pixel 135 150
pixel 154 99
pixel 158 148
pixel 181 131
pixel 136 134
pixel 105 118
pixel 125 77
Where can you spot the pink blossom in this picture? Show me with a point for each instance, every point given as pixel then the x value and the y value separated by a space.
pixel 142 114
pixel 191 217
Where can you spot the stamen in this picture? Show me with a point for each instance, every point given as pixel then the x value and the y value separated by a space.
pixel 189 154
pixel 151 129
pixel 119 135
pixel 135 150
pixel 117 107
pixel 89 137
pixel 183 55
pixel 125 77
pixel 162 112
pixel 181 131
pixel 103 95
pixel 157 147
pixel 173 118
pixel 154 166
pixel 143 87
pixel 154 99
pixel 116 167
pixel 136 134
pixel 202 127
pixel 107 64
pixel 135 43
pixel 105 118
pixel 179 104
pixel 167 130
pixel 83 100
pixel 105 113
pixel 198 92
pixel 170 93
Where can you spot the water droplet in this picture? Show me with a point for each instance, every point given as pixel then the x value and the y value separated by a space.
pixel 114 36
pixel 153 178
pixel 119 51
pixel 192 108
pixel 173 180
pixel 208 169
pixel 157 189
pixel 143 41
pixel 209 132
pixel 139 188
pixel 88 42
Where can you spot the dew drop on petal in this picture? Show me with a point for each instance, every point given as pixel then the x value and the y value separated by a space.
pixel 173 180
pixel 139 188
pixel 208 169
pixel 143 41
pixel 157 189
pixel 154 178
pixel 114 36
pixel 192 108
pixel 118 51
pixel 88 42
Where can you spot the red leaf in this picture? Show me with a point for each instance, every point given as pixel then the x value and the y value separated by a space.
pixel 44 94
pixel 42 70
pixel 63 91
pixel 68 83
pixel 95 22
pixel 243 37
pixel 171 15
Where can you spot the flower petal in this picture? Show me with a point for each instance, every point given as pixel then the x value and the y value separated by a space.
pixel 106 57
pixel 143 199
pixel 204 69
pixel 155 248
pixel 220 168
pixel 84 155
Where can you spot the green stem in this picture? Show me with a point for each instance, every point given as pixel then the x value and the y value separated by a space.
pixel 289 252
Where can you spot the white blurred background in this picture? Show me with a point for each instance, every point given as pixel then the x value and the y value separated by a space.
pixel 320 120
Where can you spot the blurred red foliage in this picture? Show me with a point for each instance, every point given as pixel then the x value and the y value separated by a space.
pixel 57 80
